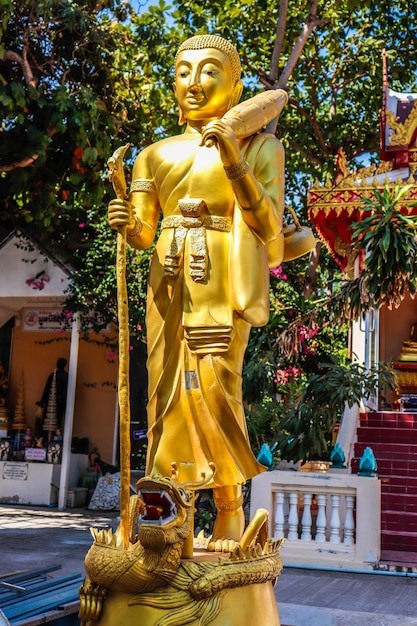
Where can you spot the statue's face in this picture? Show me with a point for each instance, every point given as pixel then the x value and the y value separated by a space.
pixel 203 84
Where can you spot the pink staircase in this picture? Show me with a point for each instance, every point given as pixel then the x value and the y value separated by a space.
pixel 393 439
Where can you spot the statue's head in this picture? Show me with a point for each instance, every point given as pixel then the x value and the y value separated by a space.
pixel 207 65
pixel 202 42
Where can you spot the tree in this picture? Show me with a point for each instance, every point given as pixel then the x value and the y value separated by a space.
pixel 69 91
pixel 80 78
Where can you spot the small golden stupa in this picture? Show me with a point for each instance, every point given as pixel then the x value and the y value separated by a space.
pixel 51 422
pixel 19 419
pixel 4 389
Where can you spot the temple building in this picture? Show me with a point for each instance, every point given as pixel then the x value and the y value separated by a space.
pixel 382 335
pixel 387 424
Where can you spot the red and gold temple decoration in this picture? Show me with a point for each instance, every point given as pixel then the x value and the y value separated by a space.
pixel 334 207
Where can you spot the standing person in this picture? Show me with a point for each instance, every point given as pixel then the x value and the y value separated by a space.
pixel 61 390
pixel 222 204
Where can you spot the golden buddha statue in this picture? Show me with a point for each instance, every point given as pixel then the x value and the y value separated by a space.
pixel 222 203
pixel 409 347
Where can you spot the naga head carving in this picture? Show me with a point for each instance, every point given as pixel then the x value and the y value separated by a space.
pixel 167 506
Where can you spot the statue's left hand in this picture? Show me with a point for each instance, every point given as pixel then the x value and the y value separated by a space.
pixel 220 133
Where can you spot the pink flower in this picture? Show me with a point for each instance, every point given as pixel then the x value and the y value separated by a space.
pixel 284 376
pixel 38 282
pixel 307 333
pixel 303 333
pixel 281 377
pixel 278 273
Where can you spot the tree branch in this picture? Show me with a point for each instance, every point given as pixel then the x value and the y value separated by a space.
pixel 22 60
pixel 312 270
pixel 314 123
pixel 23 163
pixel 279 40
pixel 309 25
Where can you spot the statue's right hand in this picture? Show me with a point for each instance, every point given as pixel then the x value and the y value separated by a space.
pixel 120 213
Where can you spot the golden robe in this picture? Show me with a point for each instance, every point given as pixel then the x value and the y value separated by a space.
pixel 208 284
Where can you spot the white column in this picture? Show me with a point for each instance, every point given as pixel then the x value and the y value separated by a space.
pixel 293 517
pixel 279 514
pixel 321 518
pixel 335 520
pixel 69 413
pixel 349 521
pixel 306 519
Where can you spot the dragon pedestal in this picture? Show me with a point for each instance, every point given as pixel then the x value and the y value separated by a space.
pixel 149 582
pixel 246 606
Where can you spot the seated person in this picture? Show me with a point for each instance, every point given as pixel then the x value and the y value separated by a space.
pixel 58 435
pixel 27 439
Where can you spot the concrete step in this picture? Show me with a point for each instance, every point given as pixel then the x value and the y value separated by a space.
pixel 397 467
pixel 389 420
pixel 385 450
pixel 399 521
pixel 398 501
pixel 402 485
pixel 397 561
pixel 402 541
pixel 378 434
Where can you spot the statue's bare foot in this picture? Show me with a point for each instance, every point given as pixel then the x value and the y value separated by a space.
pixel 227 531
pixel 221 545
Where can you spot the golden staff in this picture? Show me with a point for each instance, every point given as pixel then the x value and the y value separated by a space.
pixel 117 178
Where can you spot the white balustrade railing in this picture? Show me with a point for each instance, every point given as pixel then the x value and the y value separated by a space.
pixel 326 518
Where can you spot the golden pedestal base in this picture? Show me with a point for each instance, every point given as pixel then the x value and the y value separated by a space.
pixel 149 582
pixel 246 606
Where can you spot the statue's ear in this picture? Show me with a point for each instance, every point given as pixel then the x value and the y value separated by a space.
pixel 181 117
pixel 237 92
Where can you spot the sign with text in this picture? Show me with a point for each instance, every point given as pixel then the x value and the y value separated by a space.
pixel 139 434
pixel 50 320
pixel 46 320
pixel 15 471
pixel 35 454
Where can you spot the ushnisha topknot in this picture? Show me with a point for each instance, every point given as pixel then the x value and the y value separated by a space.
pixel 199 42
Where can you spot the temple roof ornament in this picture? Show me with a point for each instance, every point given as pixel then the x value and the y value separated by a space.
pixel 333 207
